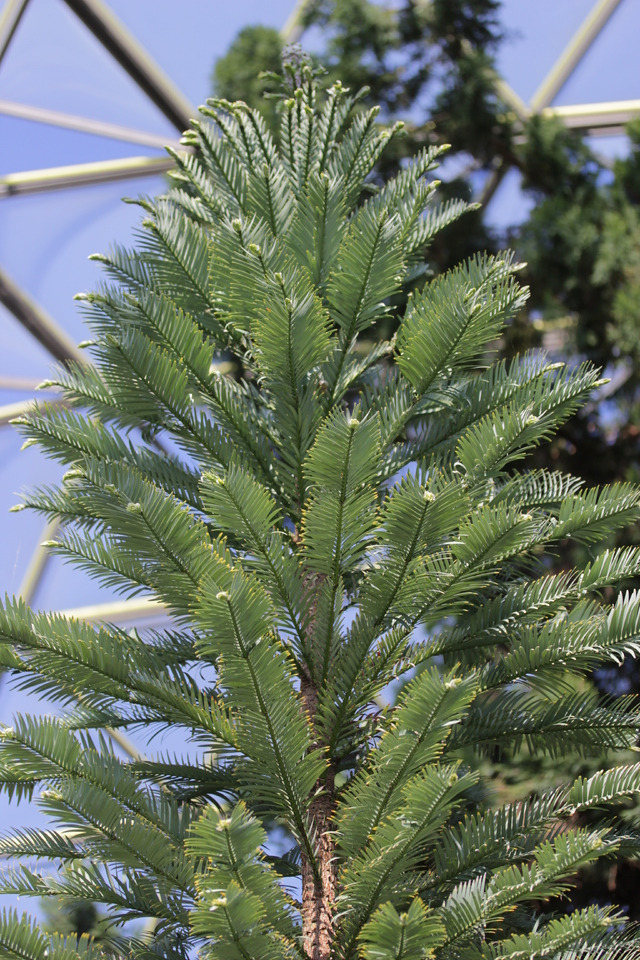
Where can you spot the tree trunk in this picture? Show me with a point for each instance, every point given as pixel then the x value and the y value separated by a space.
pixel 318 892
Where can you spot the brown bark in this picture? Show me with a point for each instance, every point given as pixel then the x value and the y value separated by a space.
pixel 318 892
pixel 318 886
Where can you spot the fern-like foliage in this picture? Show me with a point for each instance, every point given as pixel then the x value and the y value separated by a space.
pixel 336 516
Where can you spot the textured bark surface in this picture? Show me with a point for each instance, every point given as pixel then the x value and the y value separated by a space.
pixel 318 893
pixel 318 888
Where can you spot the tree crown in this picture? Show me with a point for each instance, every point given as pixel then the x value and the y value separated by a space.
pixel 334 515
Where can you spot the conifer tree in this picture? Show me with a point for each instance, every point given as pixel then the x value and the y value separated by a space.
pixel 340 518
pixel 434 64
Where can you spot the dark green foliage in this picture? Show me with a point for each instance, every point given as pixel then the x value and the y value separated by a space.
pixel 342 516
pixel 235 76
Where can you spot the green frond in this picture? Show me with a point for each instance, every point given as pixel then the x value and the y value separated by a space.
pixel 177 254
pixel 409 179
pixel 46 645
pixel 239 506
pixel 573 643
pixel 193 188
pixel 494 533
pixel 591 515
pixel 475 904
pixel 583 929
pixel 291 337
pixel 67 436
pixel 271 199
pixel 604 787
pixel 236 618
pixel 429 706
pixel 177 332
pixel 245 129
pixel 240 907
pixel 227 174
pixel 44 747
pixel 144 378
pixel 332 119
pixel 367 272
pixel 358 151
pixel 156 528
pixel 338 517
pixel 126 267
pixel 340 512
pixel 130 893
pixel 536 601
pixel 611 947
pixel 317 230
pixel 490 839
pixel 381 871
pixel 243 251
pixel 74 501
pixel 611 567
pixel 425 228
pixel 412 935
pixel 493 838
pixel 41 845
pixel 486 448
pixel 527 382
pixel 454 317
pixel 187 779
pixel 413 522
pixel 408 195
pixel 575 723
pixel 236 409
pixel 538 489
pixel 493 620
pixel 301 150
pixel 20 939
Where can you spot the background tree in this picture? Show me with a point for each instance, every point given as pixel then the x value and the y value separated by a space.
pixel 308 520
pixel 236 77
